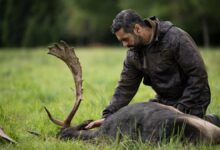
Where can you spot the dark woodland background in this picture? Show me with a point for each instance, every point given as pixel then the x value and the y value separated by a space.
pixel 30 23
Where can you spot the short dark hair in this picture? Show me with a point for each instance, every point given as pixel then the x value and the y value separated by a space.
pixel 126 19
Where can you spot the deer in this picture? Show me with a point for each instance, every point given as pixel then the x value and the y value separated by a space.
pixel 146 121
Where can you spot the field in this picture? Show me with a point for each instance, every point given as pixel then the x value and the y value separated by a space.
pixel 31 79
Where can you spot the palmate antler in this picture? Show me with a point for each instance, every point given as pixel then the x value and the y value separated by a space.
pixel 62 51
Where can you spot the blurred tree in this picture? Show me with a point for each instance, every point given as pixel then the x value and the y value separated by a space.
pixel 30 23
pixel 203 17
pixel 12 20
pixel 90 20
pixel 160 8
pixel 45 24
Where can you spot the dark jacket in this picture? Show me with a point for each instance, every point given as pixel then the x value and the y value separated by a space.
pixel 172 66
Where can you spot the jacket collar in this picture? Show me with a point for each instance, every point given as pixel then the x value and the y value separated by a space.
pixel 161 27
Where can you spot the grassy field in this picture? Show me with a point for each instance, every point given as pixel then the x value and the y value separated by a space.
pixel 31 79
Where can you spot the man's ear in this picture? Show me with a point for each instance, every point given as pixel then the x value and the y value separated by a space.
pixel 137 29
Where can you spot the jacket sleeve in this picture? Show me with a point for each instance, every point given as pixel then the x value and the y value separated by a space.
pixel 190 60
pixel 127 86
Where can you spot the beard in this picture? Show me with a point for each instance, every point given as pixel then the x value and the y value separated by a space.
pixel 138 42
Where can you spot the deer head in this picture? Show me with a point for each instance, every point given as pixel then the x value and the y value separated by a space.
pixel 66 53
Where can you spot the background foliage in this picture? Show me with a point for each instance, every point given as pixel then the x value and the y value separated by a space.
pixel 39 22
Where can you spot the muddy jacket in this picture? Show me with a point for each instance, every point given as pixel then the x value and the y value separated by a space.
pixel 172 66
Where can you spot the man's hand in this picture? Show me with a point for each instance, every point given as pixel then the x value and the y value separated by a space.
pixel 94 124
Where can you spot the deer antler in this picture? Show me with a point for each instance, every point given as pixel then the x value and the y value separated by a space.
pixel 6 137
pixel 67 54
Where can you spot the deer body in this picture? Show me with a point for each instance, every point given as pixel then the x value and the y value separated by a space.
pixel 151 122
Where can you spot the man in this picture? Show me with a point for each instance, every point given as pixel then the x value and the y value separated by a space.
pixel 167 59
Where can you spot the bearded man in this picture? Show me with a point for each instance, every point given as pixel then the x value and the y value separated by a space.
pixel 166 58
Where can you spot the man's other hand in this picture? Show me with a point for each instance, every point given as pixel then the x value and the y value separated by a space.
pixel 94 124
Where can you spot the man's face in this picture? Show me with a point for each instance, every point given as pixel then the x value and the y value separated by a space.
pixel 129 39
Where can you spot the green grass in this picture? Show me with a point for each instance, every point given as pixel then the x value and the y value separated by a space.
pixel 31 79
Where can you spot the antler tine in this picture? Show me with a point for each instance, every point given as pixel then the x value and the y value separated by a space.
pixel 60 123
pixel 6 137
pixel 67 54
